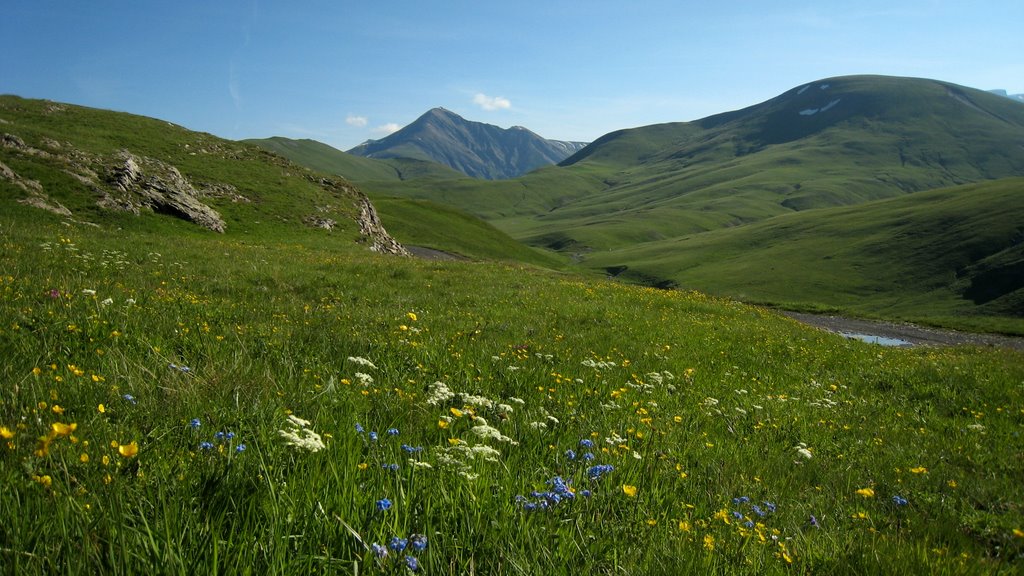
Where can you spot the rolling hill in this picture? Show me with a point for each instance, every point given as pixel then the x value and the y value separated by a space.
pixel 324 158
pixel 108 169
pixel 476 149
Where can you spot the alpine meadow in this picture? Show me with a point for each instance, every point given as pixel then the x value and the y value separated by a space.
pixel 220 357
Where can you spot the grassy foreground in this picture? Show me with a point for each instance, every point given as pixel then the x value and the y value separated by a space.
pixel 217 404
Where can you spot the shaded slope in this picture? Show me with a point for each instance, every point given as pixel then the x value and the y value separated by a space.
pixel 952 251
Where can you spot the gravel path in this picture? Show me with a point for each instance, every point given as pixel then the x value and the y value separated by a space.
pixel 912 334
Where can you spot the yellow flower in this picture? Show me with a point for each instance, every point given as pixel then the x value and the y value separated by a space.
pixel 36 371
pixel 411 316
pixel 651 522
pixel 6 433
pixel 44 480
pixel 106 460
pixel 128 450
pixel 629 490
pixel 1018 533
pixel 84 458
pixel 951 484
pixel 362 466
pixel 866 492
pixel 919 470
pixel 456 412
pixel 57 409
pixel 62 429
pixel 442 424
pixel 454 441
pixel 859 516
pixel 101 408
pixel 684 526
pixel 709 542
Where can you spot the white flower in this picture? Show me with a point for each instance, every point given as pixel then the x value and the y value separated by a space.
pixel 301 436
pixel 89 292
pixel 361 361
pixel 107 302
pixel 364 379
pixel 804 452
pixel 439 393
pixel 538 426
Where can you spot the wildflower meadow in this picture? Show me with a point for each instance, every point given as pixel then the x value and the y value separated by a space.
pixel 193 404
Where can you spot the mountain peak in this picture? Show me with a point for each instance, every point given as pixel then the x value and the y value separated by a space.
pixel 474 148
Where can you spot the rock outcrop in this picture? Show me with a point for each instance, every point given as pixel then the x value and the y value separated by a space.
pixel 154 184
pixel 373 231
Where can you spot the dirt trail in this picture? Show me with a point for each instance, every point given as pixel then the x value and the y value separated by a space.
pixel 911 333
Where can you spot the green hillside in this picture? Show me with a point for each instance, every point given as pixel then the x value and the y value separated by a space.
pixel 422 223
pixel 953 253
pixel 324 158
pixel 839 141
pixel 201 376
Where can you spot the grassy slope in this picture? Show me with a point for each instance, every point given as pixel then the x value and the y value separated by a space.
pixel 324 158
pixel 431 225
pixel 693 402
pixel 697 404
pixel 915 255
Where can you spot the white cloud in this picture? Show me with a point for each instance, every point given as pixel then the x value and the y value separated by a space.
pixel 389 128
pixel 491 103
pixel 357 121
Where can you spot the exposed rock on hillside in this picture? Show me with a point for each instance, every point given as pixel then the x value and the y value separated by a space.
pixel 151 183
pixel 372 229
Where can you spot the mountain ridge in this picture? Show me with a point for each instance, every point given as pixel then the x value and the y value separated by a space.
pixel 476 149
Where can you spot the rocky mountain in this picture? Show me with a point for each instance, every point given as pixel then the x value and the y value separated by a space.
pixel 474 148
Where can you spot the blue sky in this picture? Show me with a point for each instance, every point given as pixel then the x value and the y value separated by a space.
pixel 341 72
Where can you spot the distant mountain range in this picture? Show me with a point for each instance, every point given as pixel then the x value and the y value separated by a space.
pixel 1017 97
pixel 473 148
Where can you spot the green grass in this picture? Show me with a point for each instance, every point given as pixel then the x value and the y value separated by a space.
pixel 949 256
pixel 694 401
pixel 117 338
pixel 431 225
pixel 324 158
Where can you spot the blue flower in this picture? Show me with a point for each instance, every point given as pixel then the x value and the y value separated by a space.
pixel 740 500
pixel 218 436
pixel 392 431
pixel 418 542
pixel 383 504
pixel 570 454
pixel 814 522
pixel 130 398
pixel 585 493
pixel 598 470
pixel 899 501
pixel 378 550
pixel 359 428
pixel 397 544
pixel 206 445
pixel 373 436
pixel 391 467
pixel 195 423
pixel 240 448
pixel 589 456
pixel 587 443
pixel 412 563
pixel 411 449
pixel 757 510
pixel 770 506
pixel 737 515
pixel 229 435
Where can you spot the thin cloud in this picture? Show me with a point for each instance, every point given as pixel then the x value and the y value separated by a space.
pixel 385 129
pixel 492 103
pixel 357 121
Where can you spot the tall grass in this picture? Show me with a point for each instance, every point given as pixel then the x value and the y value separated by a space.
pixel 588 427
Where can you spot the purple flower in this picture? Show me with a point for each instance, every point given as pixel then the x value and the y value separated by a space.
pixel 814 522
